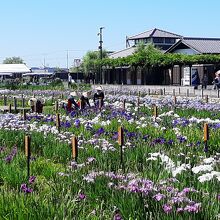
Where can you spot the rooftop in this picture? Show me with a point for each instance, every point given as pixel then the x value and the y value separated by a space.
pixel 154 33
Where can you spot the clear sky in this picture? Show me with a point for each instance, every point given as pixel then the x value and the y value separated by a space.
pixel 42 31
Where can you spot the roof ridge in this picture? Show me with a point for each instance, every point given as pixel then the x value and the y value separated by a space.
pixel 151 30
pixel 168 32
pixel 122 50
pixel 200 38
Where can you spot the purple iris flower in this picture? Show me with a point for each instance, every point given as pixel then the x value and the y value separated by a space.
pixel 32 179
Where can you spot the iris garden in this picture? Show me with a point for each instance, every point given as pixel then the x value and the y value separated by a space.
pixel 165 170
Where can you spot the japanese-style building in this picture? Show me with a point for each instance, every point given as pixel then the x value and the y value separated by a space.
pixel 168 43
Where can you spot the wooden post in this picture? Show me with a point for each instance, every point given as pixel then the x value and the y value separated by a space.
pixel 9 108
pixel 164 91
pixel 139 94
pixel 24 115
pixel 56 106
pixel 123 105
pixel 218 93
pixel 202 93
pixel 28 152
pixel 173 92
pixel 22 101
pixel 74 144
pixel 206 98
pixel 206 132
pixel 161 91
pixel 148 91
pixel 52 97
pixel 179 90
pixel 121 143
pixel 187 92
pixel 5 100
pixel 58 121
pixel 15 104
pixel 174 100
pixel 155 111
pixel 138 102
pixel 206 136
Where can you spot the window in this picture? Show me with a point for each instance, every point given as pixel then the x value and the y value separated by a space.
pixel 159 40
pixel 169 40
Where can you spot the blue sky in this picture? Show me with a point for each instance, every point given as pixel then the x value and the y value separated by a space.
pixel 42 31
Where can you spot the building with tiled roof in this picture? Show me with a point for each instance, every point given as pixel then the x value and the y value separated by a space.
pixel 192 45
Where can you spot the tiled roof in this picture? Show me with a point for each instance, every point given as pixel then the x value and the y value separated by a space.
pixel 154 33
pixel 200 45
pixel 123 53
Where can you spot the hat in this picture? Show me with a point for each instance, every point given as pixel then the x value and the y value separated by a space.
pixel 85 94
pixel 74 94
pixel 99 88
pixel 32 101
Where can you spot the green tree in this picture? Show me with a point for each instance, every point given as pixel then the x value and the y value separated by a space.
pixel 13 60
pixel 90 61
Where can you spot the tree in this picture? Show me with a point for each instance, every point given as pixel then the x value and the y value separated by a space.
pixel 90 61
pixel 13 60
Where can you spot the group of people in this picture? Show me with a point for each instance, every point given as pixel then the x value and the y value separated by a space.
pixel 216 81
pixel 196 80
pixel 81 101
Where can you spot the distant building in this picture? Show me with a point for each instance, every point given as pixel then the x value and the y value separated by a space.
pixel 13 70
pixel 168 43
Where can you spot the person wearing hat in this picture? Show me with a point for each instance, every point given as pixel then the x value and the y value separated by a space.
pixel 36 104
pixel 71 101
pixel 98 96
pixel 84 99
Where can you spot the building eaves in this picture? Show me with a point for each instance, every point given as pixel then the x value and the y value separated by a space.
pixel 123 53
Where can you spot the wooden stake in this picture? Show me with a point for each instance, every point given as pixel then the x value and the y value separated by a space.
pixel 123 105
pixel 15 104
pixel 120 136
pixel 9 108
pixel 174 100
pixel 28 153
pixel 206 132
pixel 22 101
pixel 74 144
pixel 138 102
pixel 121 143
pixel 155 111
pixel 206 98
pixel 24 115
pixel 58 121
pixel 56 106
pixel 5 100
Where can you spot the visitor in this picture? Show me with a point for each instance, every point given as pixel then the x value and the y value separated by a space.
pixel 69 80
pixel 195 79
pixel 98 97
pixel 84 99
pixel 204 80
pixel 36 105
pixel 71 102
pixel 216 81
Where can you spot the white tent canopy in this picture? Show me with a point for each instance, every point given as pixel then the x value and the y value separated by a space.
pixel 5 74
pixel 38 74
pixel 14 68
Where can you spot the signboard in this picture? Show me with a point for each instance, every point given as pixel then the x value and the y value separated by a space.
pixel 186 76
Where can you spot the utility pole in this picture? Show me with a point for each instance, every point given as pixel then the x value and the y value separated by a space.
pixel 100 49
